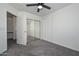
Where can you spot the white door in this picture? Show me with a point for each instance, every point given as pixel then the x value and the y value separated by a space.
pixel 37 29
pixel 33 30
pixel 30 28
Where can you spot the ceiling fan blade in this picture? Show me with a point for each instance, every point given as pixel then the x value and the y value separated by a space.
pixel 31 4
pixel 38 10
pixel 46 6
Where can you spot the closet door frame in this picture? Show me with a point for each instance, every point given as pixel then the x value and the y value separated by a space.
pixel 39 26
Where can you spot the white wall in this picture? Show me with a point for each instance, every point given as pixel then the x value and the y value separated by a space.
pixel 62 27
pixel 3 43
pixel 3 27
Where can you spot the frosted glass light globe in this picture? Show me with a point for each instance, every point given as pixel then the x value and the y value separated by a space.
pixel 40 7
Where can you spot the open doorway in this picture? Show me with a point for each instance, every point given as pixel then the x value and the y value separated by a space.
pixel 11 30
pixel 33 30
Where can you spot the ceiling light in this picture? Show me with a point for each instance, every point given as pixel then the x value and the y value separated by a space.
pixel 40 7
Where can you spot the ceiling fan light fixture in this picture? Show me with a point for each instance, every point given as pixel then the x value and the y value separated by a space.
pixel 40 7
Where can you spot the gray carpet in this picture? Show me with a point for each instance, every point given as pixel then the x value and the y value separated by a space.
pixel 38 48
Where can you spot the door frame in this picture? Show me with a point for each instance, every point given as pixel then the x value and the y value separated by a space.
pixel 39 25
pixel 7 25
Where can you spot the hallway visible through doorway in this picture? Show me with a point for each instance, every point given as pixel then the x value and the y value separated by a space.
pixel 11 29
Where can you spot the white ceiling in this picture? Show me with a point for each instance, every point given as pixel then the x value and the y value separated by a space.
pixel 43 12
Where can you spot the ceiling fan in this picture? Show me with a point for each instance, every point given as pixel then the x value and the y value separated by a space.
pixel 39 6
